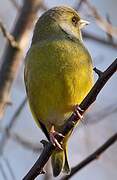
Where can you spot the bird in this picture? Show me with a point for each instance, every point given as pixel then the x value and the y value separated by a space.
pixel 58 74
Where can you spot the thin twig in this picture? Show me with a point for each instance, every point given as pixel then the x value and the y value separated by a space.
pixel 95 37
pixel 79 5
pixel 109 36
pixel 101 115
pixel 15 4
pixel 18 7
pixel 3 172
pixel 9 37
pixel 99 39
pixel 35 147
pixel 6 133
pixel 94 156
pixel 25 143
pixel 9 168
pixel 103 23
pixel 72 121
pixel 99 73
pixel 16 114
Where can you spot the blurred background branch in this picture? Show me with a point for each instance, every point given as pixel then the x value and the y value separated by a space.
pixel 8 36
pixel 103 23
pixel 9 168
pixel 94 156
pixel 6 132
pixel 3 172
pixel 15 4
pixel 12 56
pixel 98 39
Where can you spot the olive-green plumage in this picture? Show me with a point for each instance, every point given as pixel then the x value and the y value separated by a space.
pixel 58 73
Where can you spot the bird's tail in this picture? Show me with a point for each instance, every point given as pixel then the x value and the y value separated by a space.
pixel 60 161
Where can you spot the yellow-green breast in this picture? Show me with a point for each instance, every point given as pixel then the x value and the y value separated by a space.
pixel 58 75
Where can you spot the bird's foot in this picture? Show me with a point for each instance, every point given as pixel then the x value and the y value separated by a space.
pixel 78 111
pixel 53 139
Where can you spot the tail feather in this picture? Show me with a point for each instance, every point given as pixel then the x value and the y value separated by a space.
pixel 66 167
pixel 59 162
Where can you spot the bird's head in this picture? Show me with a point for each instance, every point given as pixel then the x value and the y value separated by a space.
pixel 60 19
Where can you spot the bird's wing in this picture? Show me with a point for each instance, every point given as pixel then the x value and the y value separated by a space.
pixel 42 126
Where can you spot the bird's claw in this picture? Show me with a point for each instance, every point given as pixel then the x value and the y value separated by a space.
pixel 53 139
pixel 77 111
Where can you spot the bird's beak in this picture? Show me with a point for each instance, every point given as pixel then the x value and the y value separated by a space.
pixel 83 23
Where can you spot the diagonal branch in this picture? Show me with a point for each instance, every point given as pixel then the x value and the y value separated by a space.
pixel 71 122
pixel 92 157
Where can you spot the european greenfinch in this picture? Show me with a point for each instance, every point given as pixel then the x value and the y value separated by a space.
pixel 58 75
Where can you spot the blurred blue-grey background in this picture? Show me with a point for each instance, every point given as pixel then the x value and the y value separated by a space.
pixel 100 121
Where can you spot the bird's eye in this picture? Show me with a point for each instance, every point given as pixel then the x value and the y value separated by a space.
pixel 74 20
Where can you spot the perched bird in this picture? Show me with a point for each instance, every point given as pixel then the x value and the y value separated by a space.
pixel 58 75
